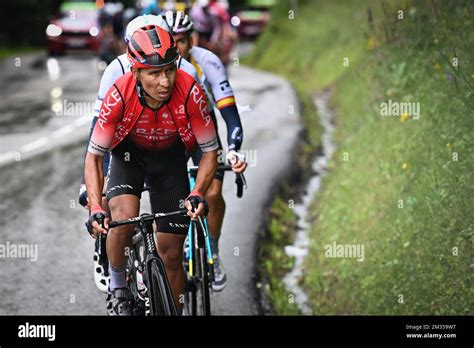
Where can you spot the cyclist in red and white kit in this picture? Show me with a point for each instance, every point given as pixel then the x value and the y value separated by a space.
pixel 118 67
pixel 147 120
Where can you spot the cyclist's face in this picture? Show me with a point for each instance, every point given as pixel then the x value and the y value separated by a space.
pixel 157 82
pixel 184 44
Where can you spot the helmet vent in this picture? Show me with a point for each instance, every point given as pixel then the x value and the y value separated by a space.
pixel 153 35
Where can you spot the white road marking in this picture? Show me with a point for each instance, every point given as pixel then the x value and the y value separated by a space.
pixel 34 145
pixel 82 120
pixel 62 131
pixel 8 156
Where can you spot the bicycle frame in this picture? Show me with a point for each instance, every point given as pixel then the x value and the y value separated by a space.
pixel 145 222
pixel 198 242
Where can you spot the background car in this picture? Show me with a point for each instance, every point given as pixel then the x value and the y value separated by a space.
pixel 76 27
pixel 251 20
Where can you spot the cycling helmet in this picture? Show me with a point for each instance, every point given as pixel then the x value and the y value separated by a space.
pixel 178 22
pixel 141 22
pixel 151 46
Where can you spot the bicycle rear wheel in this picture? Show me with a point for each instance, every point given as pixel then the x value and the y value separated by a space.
pixel 203 284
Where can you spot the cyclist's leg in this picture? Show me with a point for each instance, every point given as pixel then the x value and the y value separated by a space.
pixel 118 239
pixel 167 194
pixel 215 219
pixel 170 249
pixel 169 184
pixel 215 200
pixel 124 188
pixel 216 214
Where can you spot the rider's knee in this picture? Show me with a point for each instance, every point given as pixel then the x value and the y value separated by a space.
pixel 173 257
pixel 118 213
pixel 214 197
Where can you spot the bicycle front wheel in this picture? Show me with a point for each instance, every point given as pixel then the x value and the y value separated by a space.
pixel 159 292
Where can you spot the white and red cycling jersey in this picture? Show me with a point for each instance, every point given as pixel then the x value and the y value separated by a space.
pixel 183 117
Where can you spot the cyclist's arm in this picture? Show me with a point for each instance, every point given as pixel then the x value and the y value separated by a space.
pixel 113 71
pixel 224 95
pixel 205 133
pixel 234 126
pixel 99 144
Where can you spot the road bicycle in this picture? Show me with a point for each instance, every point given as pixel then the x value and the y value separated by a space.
pixel 198 260
pixel 146 273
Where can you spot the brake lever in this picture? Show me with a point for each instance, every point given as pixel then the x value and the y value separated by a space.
pixel 100 221
pixel 241 184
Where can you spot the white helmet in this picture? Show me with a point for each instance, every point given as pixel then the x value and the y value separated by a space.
pixel 144 21
pixel 178 22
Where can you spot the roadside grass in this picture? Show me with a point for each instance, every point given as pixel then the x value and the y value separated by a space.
pixel 274 262
pixel 283 56
pixel 399 186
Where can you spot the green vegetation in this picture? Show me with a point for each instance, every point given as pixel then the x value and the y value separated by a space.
pixel 399 185
pixel 6 52
pixel 275 263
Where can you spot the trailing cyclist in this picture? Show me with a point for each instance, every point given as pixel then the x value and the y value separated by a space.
pixel 213 76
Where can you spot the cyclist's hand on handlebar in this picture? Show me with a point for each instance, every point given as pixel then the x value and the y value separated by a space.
pixel 196 205
pixel 237 160
pixel 98 222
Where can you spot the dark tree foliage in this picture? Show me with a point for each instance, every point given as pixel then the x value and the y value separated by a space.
pixel 23 22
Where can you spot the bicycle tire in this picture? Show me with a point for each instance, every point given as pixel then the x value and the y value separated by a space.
pixel 159 292
pixel 190 296
pixel 198 291
pixel 204 284
pixel 198 286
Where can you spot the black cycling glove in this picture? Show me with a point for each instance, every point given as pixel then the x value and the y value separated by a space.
pixel 195 200
pixel 99 217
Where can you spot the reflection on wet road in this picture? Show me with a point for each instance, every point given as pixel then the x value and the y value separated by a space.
pixel 38 196
pixel 38 90
pixel 38 207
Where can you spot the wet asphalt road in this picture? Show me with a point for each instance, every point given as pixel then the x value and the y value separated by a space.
pixel 41 157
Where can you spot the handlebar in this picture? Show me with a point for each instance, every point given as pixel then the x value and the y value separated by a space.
pixel 240 180
pixel 225 167
pixel 147 217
